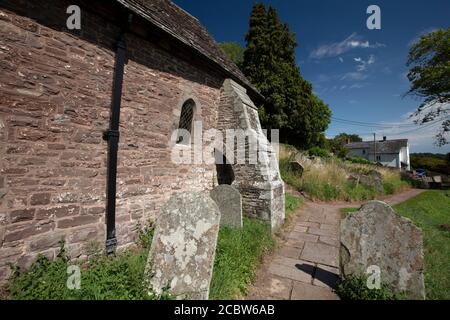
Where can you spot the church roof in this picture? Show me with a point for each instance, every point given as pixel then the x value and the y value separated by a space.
pixel 383 146
pixel 179 24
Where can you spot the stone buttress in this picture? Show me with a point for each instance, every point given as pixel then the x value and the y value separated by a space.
pixel 259 182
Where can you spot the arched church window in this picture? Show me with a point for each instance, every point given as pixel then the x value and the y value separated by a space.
pixel 185 124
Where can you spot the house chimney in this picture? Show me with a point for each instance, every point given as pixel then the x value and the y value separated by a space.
pixel 384 138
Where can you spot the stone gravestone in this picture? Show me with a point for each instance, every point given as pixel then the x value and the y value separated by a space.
pixel 182 254
pixel 296 168
pixel 373 179
pixel 229 201
pixel 376 235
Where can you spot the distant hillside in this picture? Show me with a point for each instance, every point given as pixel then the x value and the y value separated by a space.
pixel 434 162
pixel 430 155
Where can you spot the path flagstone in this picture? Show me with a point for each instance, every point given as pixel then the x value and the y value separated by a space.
pixel 306 265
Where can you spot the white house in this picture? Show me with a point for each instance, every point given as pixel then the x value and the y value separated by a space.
pixel 390 153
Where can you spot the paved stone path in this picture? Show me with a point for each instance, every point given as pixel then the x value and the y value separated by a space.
pixel 305 266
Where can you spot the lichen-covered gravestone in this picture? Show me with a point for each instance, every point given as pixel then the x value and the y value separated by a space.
pixel 182 253
pixel 229 201
pixel 376 235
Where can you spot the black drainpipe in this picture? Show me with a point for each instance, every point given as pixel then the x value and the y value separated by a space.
pixel 112 136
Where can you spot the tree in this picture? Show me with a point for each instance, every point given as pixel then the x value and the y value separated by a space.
pixel 270 64
pixel 336 145
pixel 345 138
pixel 429 62
pixel 255 63
pixel 234 51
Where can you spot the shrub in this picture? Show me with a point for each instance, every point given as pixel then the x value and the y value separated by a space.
pixel 355 288
pixel 318 152
pixel 434 163
pixel 342 153
pixel 145 235
pixel 394 182
pixel 359 160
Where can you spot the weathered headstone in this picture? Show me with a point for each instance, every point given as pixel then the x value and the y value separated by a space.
pixel 182 253
pixel 376 235
pixel 373 179
pixel 229 201
pixel 296 168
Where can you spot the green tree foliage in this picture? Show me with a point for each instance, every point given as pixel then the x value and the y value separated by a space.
pixel 437 163
pixel 336 145
pixel 270 64
pixel 234 51
pixel 429 62
pixel 346 138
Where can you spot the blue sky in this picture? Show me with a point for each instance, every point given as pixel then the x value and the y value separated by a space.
pixel 359 73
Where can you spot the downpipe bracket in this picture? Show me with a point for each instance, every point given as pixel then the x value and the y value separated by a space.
pixel 111 245
pixel 107 134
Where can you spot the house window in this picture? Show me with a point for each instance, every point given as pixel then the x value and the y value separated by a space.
pixel 185 124
pixel 378 158
pixel 364 151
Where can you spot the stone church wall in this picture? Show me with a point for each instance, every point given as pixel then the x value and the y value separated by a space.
pixel 55 97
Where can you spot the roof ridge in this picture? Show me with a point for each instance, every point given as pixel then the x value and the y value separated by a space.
pixel 185 11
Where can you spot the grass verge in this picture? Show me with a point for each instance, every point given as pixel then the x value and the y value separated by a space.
pixel 239 253
pixel 292 203
pixel 327 179
pixel 118 277
pixel 346 211
pixel 430 212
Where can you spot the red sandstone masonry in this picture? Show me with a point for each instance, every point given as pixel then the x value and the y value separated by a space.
pixel 55 90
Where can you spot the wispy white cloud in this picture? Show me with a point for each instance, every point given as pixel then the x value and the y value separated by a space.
pixel 354 76
pixel 334 49
pixel 363 64
pixel 357 86
pixel 361 72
